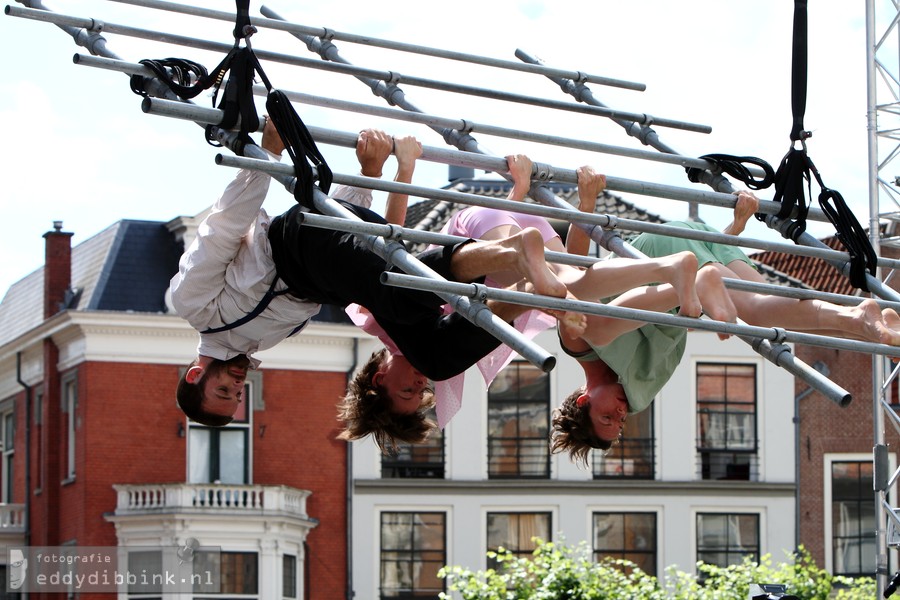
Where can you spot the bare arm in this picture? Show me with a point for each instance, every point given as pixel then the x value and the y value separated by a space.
pixel 746 206
pixel 520 167
pixel 407 150
pixel 590 185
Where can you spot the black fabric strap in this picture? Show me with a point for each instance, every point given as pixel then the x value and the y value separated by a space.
pixel 184 77
pixel 850 233
pixel 242 26
pixel 798 70
pixel 734 166
pixel 301 147
pixel 792 174
pixel 795 167
pixel 263 303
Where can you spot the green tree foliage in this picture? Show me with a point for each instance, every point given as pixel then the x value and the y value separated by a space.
pixel 559 572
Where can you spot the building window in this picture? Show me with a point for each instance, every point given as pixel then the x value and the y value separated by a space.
pixel 726 421
pixel 7 447
pixel 147 566
pixel 289 576
pixel 425 461
pixel 413 550
pixel 630 536
pixel 516 533
pixel 852 519
pixel 634 455
pixel 726 539
pixel 239 573
pixel 222 454
pixel 518 422
pixel 69 409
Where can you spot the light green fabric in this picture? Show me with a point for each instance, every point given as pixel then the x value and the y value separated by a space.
pixel 645 359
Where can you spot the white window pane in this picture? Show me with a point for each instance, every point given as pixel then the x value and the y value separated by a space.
pixel 232 445
pixel 198 454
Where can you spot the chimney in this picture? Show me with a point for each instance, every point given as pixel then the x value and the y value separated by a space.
pixel 57 268
pixel 456 172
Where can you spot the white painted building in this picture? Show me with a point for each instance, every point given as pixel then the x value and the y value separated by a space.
pixel 659 510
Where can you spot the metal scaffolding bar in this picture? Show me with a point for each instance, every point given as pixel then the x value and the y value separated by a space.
pixel 195 113
pixel 324 32
pixel 773 334
pixel 374 74
pixel 714 180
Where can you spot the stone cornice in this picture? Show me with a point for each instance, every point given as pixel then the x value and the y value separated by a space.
pixel 154 338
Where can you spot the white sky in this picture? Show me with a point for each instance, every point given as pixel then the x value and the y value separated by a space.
pixel 80 150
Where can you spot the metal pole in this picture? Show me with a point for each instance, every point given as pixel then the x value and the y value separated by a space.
pixel 418 236
pixel 880 494
pixel 774 334
pixel 715 180
pixel 288 59
pixel 570 214
pixel 324 32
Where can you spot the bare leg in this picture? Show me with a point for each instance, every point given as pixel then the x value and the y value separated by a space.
pixel 614 276
pixel 522 252
pixel 715 297
pixel 866 321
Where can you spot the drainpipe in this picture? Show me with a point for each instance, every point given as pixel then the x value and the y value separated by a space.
pixel 822 368
pixel 27 516
pixel 349 488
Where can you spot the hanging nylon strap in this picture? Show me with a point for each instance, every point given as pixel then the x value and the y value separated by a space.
pixel 795 166
pixel 301 147
pixel 734 166
pixel 851 234
pixel 797 169
pixel 798 71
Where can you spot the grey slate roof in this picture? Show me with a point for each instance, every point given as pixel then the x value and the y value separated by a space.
pixel 125 267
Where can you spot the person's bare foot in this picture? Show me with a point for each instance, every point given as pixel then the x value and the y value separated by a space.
pixel 876 325
pixel 682 271
pixel 530 263
pixel 571 321
pixel 714 297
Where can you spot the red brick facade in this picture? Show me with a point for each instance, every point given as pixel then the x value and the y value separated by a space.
pixel 128 433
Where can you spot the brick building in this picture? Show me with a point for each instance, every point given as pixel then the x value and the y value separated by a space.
pixel 97 454
pixel 837 504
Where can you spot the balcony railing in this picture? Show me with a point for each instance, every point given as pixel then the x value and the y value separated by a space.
pixel 250 499
pixel 12 518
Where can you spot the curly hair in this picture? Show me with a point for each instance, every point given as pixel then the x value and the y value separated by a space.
pixel 366 409
pixel 190 398
pixel 573 431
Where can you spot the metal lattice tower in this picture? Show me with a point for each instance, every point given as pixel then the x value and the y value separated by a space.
pixel 883 95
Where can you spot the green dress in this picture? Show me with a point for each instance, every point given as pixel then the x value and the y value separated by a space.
pixel 644 359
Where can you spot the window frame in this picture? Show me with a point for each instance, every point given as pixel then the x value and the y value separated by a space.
pixel 737 512
pixel 520 442
pixel 69 408
pixel 624 512
pixel 379 556
pixel 521 551
pixel 713 462
pixel 418 461
pixel 630 457
pixel 828 459
pixel 252 402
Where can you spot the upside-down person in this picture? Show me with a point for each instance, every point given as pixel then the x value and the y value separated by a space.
pixel 249 281
pixel 602 279
pixel 627 362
